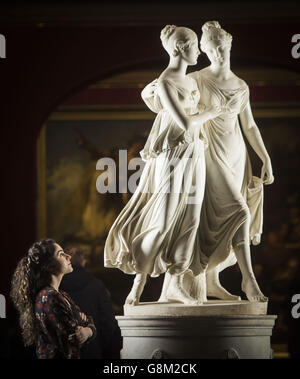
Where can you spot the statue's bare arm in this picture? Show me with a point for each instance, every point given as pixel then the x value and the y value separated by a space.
pixel 149 92
pixel 169 101
pixel 254 138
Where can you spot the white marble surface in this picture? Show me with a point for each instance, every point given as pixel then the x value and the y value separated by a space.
pixel 196 337
pixel 198 205
pixel 210 307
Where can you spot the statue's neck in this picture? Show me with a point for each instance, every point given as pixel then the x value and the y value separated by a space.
pixel 221 72
pixel 178 66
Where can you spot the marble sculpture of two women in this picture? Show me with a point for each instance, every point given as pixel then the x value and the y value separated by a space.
pixel 197 207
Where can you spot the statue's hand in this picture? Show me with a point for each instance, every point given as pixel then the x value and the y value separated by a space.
pixel 149 90
pixel 214 111
pixel 267 173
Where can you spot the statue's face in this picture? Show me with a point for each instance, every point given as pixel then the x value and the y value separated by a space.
pixel 218 53
pixel 191 52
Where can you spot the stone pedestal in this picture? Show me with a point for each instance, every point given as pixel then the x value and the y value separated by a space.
pixel 216 329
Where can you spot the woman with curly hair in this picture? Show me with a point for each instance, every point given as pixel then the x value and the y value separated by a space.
pixel 49 318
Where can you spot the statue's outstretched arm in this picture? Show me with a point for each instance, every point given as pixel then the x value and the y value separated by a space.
pixel 254 138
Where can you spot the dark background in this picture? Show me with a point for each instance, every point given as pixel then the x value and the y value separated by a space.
pixel 55 50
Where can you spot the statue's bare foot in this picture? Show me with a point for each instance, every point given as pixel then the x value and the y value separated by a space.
pixel 216 290
pixel 163 299
pixel 252 291
pixel 178 294
pixel 132 298
pixel 137 289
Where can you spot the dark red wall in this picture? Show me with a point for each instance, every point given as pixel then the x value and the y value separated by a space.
pixel 44 65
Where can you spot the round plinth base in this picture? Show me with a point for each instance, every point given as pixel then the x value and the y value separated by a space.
pixel 177 331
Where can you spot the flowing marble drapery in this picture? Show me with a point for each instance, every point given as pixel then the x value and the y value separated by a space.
pixel 157 230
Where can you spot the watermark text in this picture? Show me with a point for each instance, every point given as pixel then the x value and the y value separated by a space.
pixel 174 175
pixel 2 46
pixel 296 48
pixel 296 308
pixel 2 306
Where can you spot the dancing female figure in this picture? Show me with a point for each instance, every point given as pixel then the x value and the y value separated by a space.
pixel 231 215
pixel 156 232
pixel 49 318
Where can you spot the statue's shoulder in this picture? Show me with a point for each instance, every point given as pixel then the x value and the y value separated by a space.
pixel 203 71
pixel 166 81
pixel 240 82
pixel 193 75
pixel 163 79
pixel 162 82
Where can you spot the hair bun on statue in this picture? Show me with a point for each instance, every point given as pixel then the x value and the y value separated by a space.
pixel 209 25
pixel 166 32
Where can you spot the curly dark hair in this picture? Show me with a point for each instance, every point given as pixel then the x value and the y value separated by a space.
pixel 33 273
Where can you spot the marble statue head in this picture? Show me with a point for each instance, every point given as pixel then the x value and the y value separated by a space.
pixel 179 40
pixel 215 42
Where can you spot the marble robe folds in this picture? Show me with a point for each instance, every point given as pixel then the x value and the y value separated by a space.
pixel 159 231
